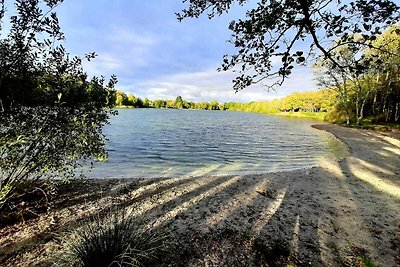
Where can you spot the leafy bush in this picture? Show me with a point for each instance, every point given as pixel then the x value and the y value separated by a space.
pixel 112 240
pixel 45 143
pixel 51 114
pixel 335 115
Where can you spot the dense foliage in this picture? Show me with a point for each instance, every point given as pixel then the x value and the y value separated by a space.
pixel 370 84
pixel 312 101
pixel 51 115
pixel 291 32
pixel 355 42
pixel 124 100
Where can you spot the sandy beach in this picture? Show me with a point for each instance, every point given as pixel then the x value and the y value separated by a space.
pixel 337 214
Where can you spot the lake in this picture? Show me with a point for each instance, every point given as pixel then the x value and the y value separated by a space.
pixel 171 143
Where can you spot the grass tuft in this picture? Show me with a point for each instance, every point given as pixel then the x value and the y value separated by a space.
pixel 366 262
pixel 112 240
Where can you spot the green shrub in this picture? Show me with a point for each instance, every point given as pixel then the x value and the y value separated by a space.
pixel 335 115
pixel 51 113
pixel 112 240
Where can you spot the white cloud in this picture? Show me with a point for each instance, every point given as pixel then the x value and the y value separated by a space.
pixel 124 51
pixel 133 49
pixel 212 85
pixel 103 63
pixel 130 37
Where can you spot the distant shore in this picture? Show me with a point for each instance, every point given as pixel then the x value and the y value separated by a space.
pixel 300 114
pixel 344 212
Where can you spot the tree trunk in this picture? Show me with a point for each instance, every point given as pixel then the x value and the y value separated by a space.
pixel 1 101
pixel 361 112
pixel 374 105
pixel 385 108
pixel 357 109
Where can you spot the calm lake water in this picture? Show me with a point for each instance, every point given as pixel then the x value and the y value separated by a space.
pixel 170 143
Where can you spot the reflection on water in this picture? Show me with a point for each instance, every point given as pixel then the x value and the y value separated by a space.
pixel 166 143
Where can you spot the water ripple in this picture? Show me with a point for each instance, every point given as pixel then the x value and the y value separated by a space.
pixel 151 142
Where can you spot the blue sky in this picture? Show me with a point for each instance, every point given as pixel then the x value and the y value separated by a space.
pixel 156 56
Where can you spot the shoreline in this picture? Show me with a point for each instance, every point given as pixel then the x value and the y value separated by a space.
pixel 340 212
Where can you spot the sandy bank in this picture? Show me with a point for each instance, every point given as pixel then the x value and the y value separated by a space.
pixel 334 214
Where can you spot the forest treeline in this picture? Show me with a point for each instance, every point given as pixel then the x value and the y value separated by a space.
pixel 365 80
pixel 313 101
pixel 366 85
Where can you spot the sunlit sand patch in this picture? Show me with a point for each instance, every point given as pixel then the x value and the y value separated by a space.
pixel 232 167
pixel 138 209
pixel 392 149
pixel 392 141
pixel 350 218
pixel 365 134
pixel 195 199
pixel 105 202
pixel 332 167
pixel 383 153
pixel 296 235
pixel 368 176
pixel 145 189
pixel 269 211
pixel 205 170
pixel 239 200
pixel 370 166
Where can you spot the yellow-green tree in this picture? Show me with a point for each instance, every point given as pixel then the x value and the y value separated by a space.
pixel 178 102
pixel 121 98
pixel 385 61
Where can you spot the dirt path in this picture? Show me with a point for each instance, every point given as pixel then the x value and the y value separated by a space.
pixel 337 214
